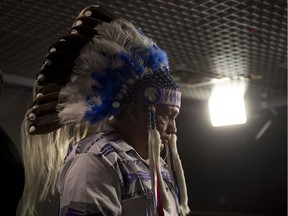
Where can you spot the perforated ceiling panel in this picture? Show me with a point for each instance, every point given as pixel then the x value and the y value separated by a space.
pixel 205 40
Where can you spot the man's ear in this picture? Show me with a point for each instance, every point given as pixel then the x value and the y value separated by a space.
pixel 136 112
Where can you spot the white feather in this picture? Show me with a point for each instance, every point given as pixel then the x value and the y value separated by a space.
pixel 72 100
pixel 73 113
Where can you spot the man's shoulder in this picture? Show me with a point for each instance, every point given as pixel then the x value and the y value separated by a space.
pixel 96 145
pixel 101 143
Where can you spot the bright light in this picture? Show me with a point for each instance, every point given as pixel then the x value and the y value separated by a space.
pixel 226 106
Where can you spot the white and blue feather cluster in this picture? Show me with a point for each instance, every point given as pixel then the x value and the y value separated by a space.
pixel 115 59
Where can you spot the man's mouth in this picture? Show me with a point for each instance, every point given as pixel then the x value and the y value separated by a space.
pixel 164 141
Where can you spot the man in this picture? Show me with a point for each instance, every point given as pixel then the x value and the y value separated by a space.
pixel 117 92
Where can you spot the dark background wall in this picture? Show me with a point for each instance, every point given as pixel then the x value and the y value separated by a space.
pixel 228 169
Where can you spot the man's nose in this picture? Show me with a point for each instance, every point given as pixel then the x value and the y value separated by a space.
pixel 172 129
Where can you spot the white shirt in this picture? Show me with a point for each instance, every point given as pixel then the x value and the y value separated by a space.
pixel 103 175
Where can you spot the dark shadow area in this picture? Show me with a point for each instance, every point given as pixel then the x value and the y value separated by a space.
pixel 12 174
pixel 227 170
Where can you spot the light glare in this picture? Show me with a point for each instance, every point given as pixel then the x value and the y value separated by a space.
pixel 227 107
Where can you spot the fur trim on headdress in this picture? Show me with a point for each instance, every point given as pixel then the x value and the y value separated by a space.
pixel 177 174
pixel 154 143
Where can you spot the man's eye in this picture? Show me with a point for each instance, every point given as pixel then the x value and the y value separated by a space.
pixel 174 117
pixel 163 118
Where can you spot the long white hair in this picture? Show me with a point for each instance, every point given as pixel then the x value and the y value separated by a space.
pixel 42 157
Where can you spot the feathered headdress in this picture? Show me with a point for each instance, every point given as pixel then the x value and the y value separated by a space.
pixel 109 71
pixel 92 74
